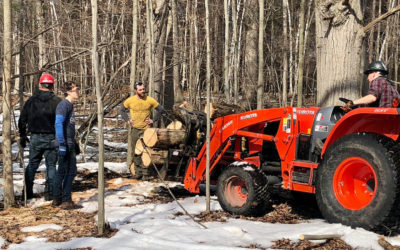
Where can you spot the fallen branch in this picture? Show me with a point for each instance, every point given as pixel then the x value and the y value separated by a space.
pixel 386 245
pixel 319 236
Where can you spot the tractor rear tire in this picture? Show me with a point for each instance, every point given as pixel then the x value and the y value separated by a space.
pixel 358 180
pixel 243 190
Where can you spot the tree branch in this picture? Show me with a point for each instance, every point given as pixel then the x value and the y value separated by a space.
pixel 369 26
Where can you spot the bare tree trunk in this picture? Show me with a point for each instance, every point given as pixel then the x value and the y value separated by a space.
pixel 40 27
pixel 100 135
pixel 216 51
pixel 197 54
pixel 178 93
pixel 290 29
pixel 234 51
pixel 239 54
pixel 260 85
pixel 251 55
pixel 208 82
pixel 378 33
pixel 184 57
pixel 6 136
pixel 19 59
pixel 301 55
pixel 159 20
pixel 387 33
pixel 57 44
pixel 129 157
pixel 192 55
pixel 371 35
pixel 226 52
pixel 284 53
pixel 150 46
pixel 339 50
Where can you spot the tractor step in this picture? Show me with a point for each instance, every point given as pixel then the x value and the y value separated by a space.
pixel 302 172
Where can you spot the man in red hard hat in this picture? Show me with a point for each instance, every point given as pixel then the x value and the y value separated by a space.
pixel 38 117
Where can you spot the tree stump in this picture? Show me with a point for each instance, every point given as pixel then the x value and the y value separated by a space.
pixel 163 138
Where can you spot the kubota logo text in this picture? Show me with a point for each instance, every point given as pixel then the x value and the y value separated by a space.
pixel 249 116
pixel 226 125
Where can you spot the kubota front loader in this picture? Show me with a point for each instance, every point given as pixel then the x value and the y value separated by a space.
pixel 350 161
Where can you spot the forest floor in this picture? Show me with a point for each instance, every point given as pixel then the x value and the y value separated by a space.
pixel 15 222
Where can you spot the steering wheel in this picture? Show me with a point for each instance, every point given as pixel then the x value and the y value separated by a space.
pixel 347 108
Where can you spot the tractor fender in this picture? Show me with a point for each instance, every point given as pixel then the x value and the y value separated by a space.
pixel 384 121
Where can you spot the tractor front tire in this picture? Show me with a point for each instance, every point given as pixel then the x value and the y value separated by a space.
pixel 357 182
pixel 243 190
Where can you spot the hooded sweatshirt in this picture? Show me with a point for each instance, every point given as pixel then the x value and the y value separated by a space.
pixel 39 113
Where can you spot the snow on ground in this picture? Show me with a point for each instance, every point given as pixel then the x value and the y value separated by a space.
pixel 158 226
pixel 41 228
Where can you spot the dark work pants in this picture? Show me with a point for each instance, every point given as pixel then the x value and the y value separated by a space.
pixel 137 159
pixel 65 175
pixel 41 145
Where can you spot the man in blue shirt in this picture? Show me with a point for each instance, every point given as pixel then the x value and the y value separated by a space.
pixel 65 139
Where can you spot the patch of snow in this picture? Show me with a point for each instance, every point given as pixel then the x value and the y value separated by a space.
pixel 92 167
pixel 40 228
pixel 240 163
pixel 248 168
pixel 115 144
pixel 35 239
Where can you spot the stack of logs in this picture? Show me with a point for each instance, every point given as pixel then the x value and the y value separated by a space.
pixel 154 144
pixel 157 141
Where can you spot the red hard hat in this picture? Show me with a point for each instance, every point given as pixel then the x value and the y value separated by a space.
pixel 46 78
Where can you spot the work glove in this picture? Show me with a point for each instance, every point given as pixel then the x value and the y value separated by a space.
pixel 62 150
pixel 23 140
pixel 347 106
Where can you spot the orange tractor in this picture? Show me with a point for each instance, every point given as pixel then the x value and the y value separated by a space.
pixel 350 161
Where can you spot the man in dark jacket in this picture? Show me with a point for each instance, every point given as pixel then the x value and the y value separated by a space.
pixel 38 117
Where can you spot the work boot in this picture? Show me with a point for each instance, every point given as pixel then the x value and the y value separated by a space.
pixel 29 194
pixel 147 178
pixel 56 203
pixel 137 176
pixel 48 197
pixel 68 205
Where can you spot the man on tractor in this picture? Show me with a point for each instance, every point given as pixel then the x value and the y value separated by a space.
pixel 382 91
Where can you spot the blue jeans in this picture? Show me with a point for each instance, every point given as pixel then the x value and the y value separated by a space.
pixel 65 175
pixel 41 144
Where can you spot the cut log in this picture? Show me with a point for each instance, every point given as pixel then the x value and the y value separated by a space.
pixel 175 125
pixel 386 245
pixel 319 236
pixel 139 147
pixel 190 118
pixel 222 109
pixel 163 138
pixel 150 156
pixel 186 106
pixel 132 169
